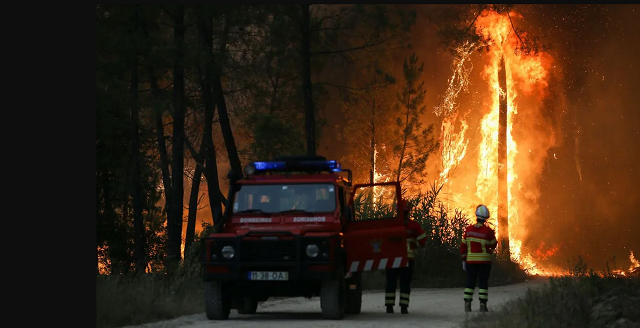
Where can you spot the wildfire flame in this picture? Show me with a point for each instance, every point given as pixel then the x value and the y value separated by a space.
pixel 635 264
pixel 377 177
pixel 526 74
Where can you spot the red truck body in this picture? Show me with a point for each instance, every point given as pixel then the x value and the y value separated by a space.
pixel 298 227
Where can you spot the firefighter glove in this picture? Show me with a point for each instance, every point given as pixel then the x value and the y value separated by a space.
pixel 464 265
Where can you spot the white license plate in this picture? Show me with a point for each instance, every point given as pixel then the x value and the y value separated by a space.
pixel 268 275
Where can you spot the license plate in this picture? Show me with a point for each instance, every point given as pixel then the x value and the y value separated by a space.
pixel 268 275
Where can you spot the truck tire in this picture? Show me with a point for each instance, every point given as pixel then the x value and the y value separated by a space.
pixel 249 305
pixel 354 296
pixel 332 297
pixel 217 303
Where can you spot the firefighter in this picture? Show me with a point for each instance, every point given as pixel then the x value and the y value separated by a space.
pixel 478 243
pixel 415 237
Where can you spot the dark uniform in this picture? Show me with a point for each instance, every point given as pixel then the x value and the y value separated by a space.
pixel 416 235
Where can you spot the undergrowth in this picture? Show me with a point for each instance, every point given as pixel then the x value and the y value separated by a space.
pixel 584 298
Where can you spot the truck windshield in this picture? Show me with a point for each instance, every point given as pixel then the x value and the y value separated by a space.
pixel 283 198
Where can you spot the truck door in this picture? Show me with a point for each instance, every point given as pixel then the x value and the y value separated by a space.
pixel 375 236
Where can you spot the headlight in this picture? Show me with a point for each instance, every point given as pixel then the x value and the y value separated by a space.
pixel 312 250
pixel 228 252
pixel 249 169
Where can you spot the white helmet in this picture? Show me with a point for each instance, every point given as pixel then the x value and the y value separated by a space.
pixel 482 212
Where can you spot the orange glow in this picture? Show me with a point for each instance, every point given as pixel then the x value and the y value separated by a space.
pixel 543 254
pixel 526 88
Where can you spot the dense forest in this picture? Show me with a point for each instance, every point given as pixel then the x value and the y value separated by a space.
pixel 187 92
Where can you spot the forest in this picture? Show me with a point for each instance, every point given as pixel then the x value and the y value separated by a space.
pixel 187 92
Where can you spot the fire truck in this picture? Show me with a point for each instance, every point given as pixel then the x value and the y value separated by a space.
pixel 299 227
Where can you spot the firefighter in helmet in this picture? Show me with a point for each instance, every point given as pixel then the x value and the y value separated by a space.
pixel 415 237
pixel 478 243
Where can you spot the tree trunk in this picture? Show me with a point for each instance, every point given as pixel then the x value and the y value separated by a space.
pixel 372 145
pixel 211 167
pixel 503 187
pixel 223 114
pixel 404 142
pixel 309 112
pixel 193 201
pixel 162 145
pixel 111 236
pixel 174 221
pixel 139 253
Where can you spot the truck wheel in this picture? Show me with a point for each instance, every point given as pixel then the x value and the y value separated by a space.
pixel 217 303
pixel 354 294
pixel 249 305
pixel 332 297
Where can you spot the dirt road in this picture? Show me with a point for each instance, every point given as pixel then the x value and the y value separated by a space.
pixel 430 307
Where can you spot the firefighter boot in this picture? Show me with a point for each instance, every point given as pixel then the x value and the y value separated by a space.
pixel 467 306
pixel 389 308
pixel 404 309
pixel 483 307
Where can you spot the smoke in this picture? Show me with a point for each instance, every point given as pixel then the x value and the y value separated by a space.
pixel 590 186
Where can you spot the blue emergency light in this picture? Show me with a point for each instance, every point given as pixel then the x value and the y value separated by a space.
pixel 265 166
pixel 292 166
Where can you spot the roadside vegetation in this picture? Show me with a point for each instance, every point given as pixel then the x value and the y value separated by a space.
pixel 584 298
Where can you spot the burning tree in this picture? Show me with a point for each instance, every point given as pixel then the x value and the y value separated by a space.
pixel 511 55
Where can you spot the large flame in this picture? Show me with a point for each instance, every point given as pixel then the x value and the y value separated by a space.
pixel 526 75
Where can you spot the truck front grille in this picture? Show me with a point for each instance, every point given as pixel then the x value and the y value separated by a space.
pixel 268 250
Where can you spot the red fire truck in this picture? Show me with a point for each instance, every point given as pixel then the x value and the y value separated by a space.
pixel 298 227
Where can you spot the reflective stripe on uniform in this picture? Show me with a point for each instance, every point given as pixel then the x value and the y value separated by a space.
pixel 404 298
pixel 410 251
pixel 468 293
pixel 471 257
pixel 483 294
pixel 390 298
pixel 484 256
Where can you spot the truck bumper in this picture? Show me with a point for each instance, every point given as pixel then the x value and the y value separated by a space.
pixel 284 254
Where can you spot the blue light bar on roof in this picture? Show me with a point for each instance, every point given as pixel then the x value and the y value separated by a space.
pixel 302 165
pixel 269 166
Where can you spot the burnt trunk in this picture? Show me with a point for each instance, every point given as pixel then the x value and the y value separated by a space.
pixel 309 112
pixel 503 187
pixel 174 220
pixel 139 253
